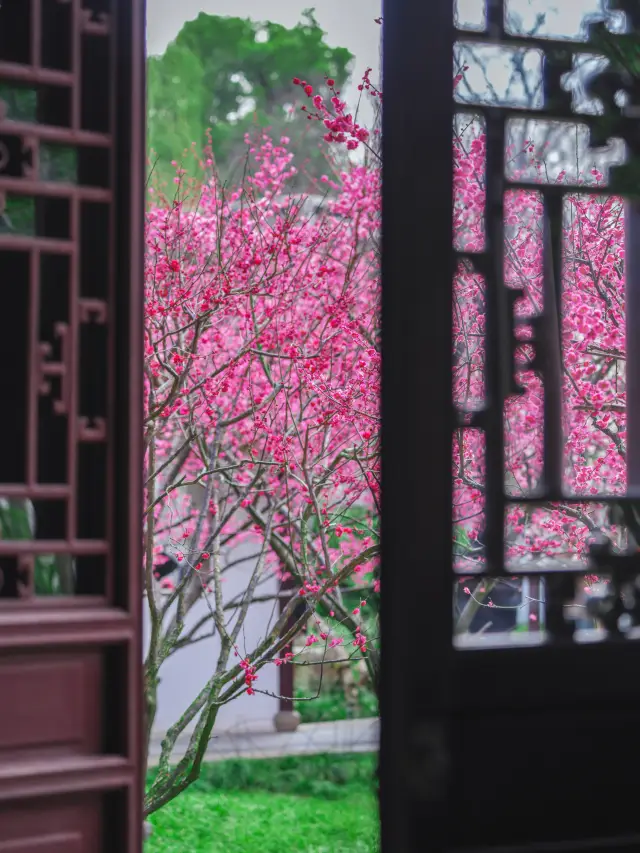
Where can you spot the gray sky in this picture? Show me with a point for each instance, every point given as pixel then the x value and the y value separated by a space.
pixel 348 23
pixel 563 18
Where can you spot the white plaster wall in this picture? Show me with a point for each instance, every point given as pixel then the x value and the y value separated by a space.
pixel 184 674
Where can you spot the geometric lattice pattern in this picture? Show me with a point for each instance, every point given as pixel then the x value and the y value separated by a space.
pixel 71 241
pixel 56 233
pixel 613 86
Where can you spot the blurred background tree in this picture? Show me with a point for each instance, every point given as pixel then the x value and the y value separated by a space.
pixel 232 76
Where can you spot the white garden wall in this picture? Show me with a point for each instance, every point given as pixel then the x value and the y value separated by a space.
pixel 185 673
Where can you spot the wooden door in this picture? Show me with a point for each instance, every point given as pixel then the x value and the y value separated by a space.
pixel 71 243
pixel 497 744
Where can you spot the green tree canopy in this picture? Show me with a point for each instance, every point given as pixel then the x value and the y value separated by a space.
pixel 175 116
pixel 231 75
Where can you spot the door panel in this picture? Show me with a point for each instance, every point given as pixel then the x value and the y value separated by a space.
pixel 53 826
pixel 518 742
pixel 71 241
pixel 56 704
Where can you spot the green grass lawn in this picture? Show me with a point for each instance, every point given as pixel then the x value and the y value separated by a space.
pixel 298 804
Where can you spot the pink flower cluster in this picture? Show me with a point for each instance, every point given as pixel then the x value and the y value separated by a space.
pixel 341 125
pixel 593 357
pixel 262 371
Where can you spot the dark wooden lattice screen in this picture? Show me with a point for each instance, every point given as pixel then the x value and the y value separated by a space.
pixel 498 746
pixel 71 183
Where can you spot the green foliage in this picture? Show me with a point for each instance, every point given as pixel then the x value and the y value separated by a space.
pixel 52 573
pixel 219 65
pixel 302 804
pixel 21 103
pixel 332 705
pixel 461 542
pixel 14 520
pixel 364 522
pixel 176 97
pixel 59 163
pixel 290 774
pixel 49 576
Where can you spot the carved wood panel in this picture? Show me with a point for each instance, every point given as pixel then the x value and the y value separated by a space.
pixel 71 214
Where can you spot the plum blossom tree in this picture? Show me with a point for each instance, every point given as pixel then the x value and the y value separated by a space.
pixel 262 388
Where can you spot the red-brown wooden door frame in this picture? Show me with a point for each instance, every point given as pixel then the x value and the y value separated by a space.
pixel 71 244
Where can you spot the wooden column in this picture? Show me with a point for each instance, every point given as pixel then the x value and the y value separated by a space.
pixel 287 719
